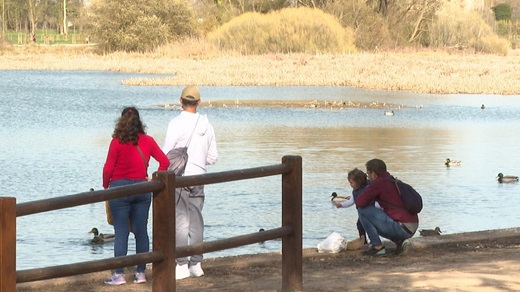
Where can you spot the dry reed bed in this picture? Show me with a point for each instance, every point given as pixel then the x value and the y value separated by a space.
pixel 422 72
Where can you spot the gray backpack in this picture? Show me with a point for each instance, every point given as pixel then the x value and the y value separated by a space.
pixel 179 156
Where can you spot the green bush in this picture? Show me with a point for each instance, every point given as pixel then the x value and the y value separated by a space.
pixel 140 25
pixel 290 30
pixel 502 12
pixel 503 27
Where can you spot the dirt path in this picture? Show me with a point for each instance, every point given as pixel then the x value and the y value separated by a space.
pixel 477 261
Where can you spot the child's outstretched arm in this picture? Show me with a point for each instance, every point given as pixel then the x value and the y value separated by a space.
pixel 346 203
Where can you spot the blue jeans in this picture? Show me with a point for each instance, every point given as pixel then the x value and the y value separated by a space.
pixel 377 223
pixel 132 210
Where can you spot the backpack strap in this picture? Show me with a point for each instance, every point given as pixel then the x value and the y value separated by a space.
pixel 144 159
pixel 189 140
pixel 394 180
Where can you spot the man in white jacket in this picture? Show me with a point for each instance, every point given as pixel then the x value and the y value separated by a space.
pixel 202 151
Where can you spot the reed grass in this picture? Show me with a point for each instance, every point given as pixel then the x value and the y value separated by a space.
pixel 412 71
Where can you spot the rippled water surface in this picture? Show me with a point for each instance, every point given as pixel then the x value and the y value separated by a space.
pixel 56 128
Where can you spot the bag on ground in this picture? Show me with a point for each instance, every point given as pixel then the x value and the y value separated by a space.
pixel 178 159
pixel 332 244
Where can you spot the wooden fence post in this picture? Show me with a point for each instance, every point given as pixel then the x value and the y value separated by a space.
pixel 164 233
pixel 292 271
pixel 7 244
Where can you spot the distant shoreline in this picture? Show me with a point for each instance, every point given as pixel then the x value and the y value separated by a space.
pixel 419 72
pixel 313 104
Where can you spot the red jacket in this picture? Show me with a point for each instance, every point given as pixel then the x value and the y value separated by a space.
pixel 385 192
pixel 124 160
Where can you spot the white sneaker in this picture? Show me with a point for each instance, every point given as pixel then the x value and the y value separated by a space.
pixel 181 272
pixel 196 270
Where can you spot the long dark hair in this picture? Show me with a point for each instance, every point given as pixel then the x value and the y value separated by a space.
pixel 128 126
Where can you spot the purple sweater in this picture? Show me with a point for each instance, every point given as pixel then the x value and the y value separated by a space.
pixel 384 191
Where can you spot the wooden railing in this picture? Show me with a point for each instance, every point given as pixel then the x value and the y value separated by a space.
pixel 163 253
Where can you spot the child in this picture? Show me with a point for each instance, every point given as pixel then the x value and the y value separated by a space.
pixel 358 181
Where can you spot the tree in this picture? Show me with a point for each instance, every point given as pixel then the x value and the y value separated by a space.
pixel 140 25
pixel 32 15
pixel 65 24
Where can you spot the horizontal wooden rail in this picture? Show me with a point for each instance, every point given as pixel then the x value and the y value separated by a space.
pixel 232 242
pixel 87 267
pixel 84 198
pixel 63 202
pixel 233 175
pixel 163 186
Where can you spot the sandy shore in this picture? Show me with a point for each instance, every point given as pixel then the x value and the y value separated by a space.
pixel 421 72
pixel 474 261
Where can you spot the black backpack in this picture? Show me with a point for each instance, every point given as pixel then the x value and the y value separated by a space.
pixel 412 200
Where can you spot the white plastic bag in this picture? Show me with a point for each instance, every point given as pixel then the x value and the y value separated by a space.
pixel 333 243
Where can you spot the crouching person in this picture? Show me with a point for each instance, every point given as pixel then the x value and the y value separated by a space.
pixel 393 222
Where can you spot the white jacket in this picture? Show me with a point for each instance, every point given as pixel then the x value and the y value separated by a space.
pixel 202 149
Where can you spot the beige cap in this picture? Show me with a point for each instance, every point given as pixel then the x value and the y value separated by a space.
pixel 190 93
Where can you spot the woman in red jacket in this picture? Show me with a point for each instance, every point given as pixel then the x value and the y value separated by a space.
pixel 127 163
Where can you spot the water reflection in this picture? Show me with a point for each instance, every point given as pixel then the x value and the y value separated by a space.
pixel 58 126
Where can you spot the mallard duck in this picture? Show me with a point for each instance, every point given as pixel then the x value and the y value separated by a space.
pixel 482 106
pixel 506 178
pixel 450 162
pixel 430 232
pixel 389 113
pixel 100 237
pixel 335 198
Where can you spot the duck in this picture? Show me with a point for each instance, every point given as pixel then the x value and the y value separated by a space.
pixel 506 178
pixel 335 198
pixel 100 237
pixel 430 232
pixel 450 162
pixel 482 106
pixel 389 113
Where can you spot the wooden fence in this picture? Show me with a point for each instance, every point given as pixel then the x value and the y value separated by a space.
pixel 163 253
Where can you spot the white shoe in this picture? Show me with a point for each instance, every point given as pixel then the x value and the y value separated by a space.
pixel 196 270
pixel 181 272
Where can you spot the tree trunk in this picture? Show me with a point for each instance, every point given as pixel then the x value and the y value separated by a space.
pixel 417 24
pixel 65 17
pixel 383 6
pixel 3 19
pixel 32 13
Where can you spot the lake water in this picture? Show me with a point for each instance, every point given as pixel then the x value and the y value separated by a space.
pixel 56 127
